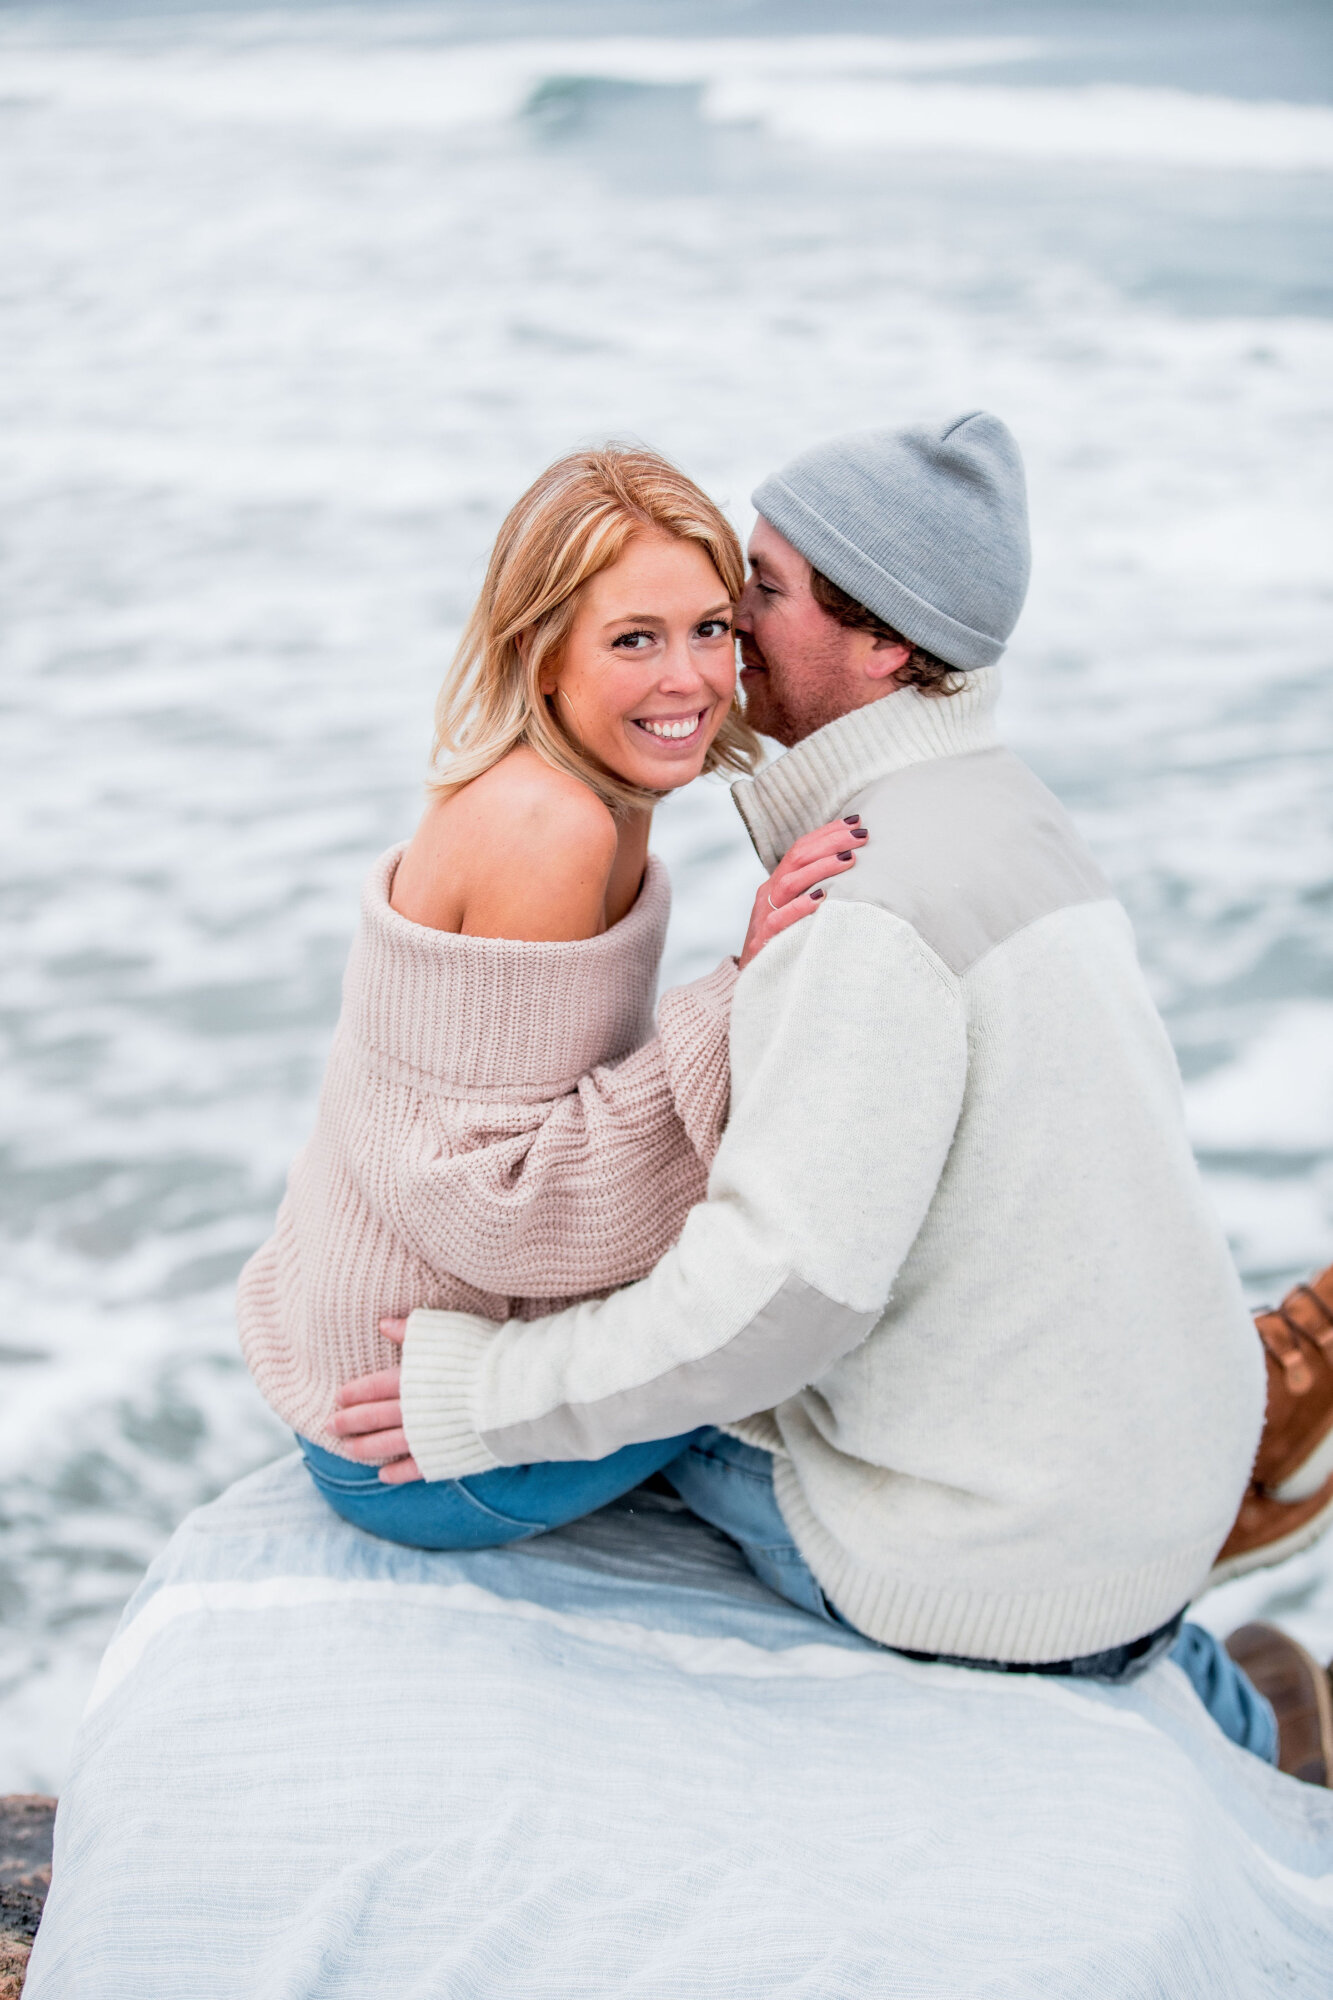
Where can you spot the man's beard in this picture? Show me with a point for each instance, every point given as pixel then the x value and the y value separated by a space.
pixel 770 714
pixel 766 714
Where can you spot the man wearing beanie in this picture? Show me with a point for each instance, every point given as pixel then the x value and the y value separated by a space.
pixel 955 1252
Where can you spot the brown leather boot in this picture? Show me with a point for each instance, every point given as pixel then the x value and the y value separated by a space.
pixel 1302 1697
pixel 1289 1502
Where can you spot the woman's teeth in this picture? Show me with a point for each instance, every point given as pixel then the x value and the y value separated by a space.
pixel 672 730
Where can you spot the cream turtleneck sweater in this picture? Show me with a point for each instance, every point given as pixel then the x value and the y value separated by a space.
pixel 499 1131
pixel 955 1242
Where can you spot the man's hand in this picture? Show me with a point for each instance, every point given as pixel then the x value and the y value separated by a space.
pixel 791 891
pixel 370 1417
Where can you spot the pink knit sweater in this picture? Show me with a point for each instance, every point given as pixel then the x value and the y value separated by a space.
pixel 496 1133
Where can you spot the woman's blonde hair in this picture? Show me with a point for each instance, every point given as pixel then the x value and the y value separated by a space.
pixel 570 524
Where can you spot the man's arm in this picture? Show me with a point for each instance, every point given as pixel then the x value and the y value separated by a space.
pixel 849 1044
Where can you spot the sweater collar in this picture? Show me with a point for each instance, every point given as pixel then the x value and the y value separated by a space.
pixel 491 1018
pixel 815 780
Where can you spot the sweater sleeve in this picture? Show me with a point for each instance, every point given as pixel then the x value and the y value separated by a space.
pixel 585 1192
pixel 849 1051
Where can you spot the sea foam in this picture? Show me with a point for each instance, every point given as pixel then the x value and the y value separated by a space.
pixel 830 92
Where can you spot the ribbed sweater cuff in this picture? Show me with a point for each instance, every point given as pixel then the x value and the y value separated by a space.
pixel 716 989
pixel 440 1359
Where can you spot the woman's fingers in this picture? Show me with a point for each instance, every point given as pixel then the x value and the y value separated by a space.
pixel 378 1444
pixel 401 1473
pixel 362 1418
pixel 825 840
pixel 830 850
pixel 768 918
pixel 792 882
pixel 379 1388
pixel 394 1330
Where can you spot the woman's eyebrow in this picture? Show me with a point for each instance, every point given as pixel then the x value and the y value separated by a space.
pixel 656 618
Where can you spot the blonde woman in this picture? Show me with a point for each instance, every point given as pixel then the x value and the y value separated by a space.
pixel 500 1131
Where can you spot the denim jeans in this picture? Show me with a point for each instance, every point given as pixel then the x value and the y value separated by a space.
pixel 488 1508
pixel 729 1485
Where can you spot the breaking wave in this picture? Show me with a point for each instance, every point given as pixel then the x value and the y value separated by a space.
pixel 830 92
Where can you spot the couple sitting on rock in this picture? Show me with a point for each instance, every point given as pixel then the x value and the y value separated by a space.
pixel 887 1250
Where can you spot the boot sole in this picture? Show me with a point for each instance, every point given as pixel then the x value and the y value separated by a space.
pixel 1273 1553
pixel 1310 1762
pixel 1310 1474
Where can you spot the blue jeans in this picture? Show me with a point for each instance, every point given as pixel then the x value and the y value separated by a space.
pixel 489 1508
pixel 729 1485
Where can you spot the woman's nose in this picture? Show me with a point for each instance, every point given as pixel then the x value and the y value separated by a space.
pixel 680 670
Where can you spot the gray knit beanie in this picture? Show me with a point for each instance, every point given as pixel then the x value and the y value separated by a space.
pixel 926 526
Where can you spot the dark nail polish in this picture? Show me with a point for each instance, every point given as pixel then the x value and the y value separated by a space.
pixel 815 895
pixel 850 819
pixel 847 856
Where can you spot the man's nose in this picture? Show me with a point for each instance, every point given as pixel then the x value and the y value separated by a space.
pixel 744 618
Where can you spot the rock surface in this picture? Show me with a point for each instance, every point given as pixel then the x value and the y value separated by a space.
pixel 26 1822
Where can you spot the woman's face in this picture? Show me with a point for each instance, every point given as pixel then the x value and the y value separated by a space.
pixel 648 670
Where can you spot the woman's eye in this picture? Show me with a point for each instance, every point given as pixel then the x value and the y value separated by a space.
pixel 629 642
pixel 714 628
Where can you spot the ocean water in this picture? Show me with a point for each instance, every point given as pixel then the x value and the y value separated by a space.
pixel 293 303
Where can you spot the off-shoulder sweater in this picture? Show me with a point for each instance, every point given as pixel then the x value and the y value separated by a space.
pixel 499 1132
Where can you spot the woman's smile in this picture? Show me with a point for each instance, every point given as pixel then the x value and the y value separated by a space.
pixel 672 729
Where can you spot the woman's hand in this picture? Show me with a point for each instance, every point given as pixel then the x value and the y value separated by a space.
pixel 370 1417
pixel 791 891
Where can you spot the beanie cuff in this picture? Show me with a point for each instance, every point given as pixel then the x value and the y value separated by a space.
pixel 831 553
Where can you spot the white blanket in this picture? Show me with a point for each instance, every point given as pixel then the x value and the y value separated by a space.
pixel 609 1762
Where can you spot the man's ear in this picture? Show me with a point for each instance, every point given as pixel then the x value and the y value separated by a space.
pixel 885 658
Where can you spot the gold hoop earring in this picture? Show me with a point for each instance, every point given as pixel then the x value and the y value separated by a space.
pixel 578 729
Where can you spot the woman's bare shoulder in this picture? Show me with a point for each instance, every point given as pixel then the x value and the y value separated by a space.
pixel 524 851
pixel 525 782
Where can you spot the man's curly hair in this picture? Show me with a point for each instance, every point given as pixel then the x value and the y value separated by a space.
pixel 922 670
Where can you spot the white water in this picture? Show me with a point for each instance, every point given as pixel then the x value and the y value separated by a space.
pixel 832 92
pixel 292 307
